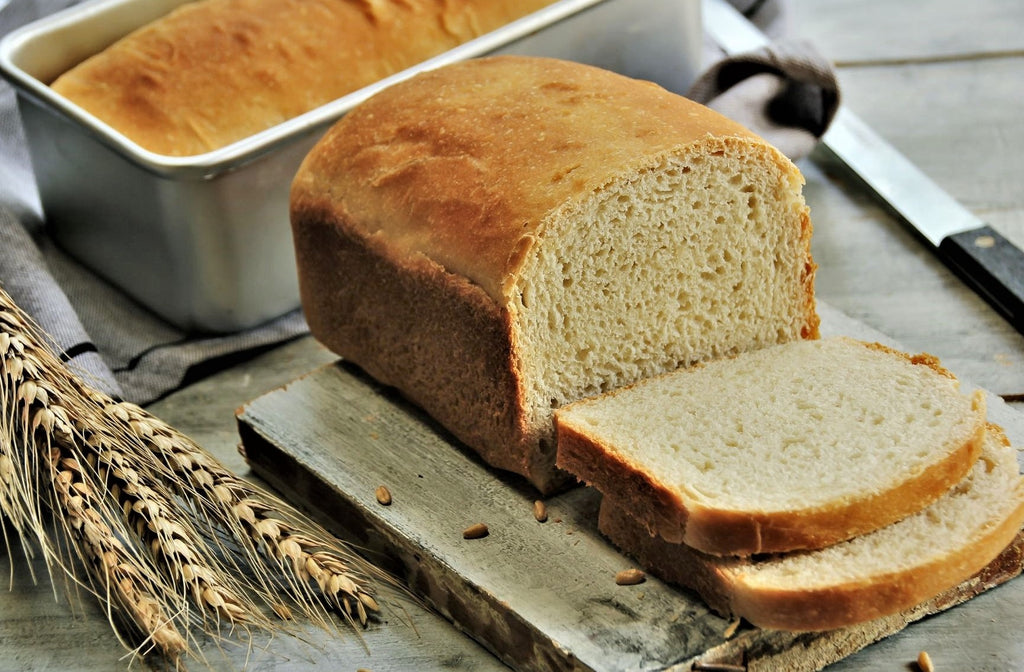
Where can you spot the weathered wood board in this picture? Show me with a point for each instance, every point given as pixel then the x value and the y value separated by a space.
pixel 541 596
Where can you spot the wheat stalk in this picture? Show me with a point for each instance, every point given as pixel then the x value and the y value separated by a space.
pixel 120 575
pixel 114 474
pixel 178 549
pixel 46 434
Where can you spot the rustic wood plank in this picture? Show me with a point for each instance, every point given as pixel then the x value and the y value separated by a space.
pixel 915 103
pixel 882 31
pixel 541 596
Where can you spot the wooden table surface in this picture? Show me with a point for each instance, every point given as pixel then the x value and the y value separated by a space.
pixel 944 82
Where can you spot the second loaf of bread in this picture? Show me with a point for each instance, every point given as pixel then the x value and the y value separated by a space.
pixel 213 72
pixel 503 236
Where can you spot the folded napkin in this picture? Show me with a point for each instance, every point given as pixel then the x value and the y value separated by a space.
pixel 786 93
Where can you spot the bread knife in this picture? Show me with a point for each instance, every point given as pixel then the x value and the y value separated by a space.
pixel 989 263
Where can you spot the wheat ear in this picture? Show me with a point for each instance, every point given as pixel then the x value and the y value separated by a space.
pixel 147 481
pixel 176 546
pixel 263 524
pixel 38 434
pixel 120 575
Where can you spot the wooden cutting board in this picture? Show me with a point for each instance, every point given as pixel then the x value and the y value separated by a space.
pixel 541 596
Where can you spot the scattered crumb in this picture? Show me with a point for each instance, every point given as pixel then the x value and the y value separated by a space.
pixel 477 531
pixel 924 662
pixel 630 577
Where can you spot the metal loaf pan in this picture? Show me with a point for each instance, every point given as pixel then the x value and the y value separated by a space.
pixel 204 241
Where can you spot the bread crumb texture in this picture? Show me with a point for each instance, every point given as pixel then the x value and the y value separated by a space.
pixel 872 575
pixel 682 261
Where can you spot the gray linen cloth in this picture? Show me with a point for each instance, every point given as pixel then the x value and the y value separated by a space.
pixel 787 93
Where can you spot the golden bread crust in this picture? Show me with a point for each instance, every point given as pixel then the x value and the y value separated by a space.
pixel 216 71
pixel 456 366
pixel 468 179
pixel 815 609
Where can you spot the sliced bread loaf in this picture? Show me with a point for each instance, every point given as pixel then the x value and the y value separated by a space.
pixel 880 573
pixel 790 447
pixel 499 237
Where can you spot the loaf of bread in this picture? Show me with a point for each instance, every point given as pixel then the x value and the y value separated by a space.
pixel 868 577
pixel 795 446
pixel 215 71
pixel 503 236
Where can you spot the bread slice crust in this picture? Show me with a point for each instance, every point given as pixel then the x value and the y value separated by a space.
pixel 678 514
pixel 731 586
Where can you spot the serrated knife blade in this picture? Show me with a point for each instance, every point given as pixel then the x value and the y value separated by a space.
pixel 989 263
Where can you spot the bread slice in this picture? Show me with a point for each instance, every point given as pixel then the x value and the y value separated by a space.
pixel 499 237
pixel 795 446
pixel 874 575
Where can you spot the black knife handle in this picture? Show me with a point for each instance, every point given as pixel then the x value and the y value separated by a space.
pixel 993 266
